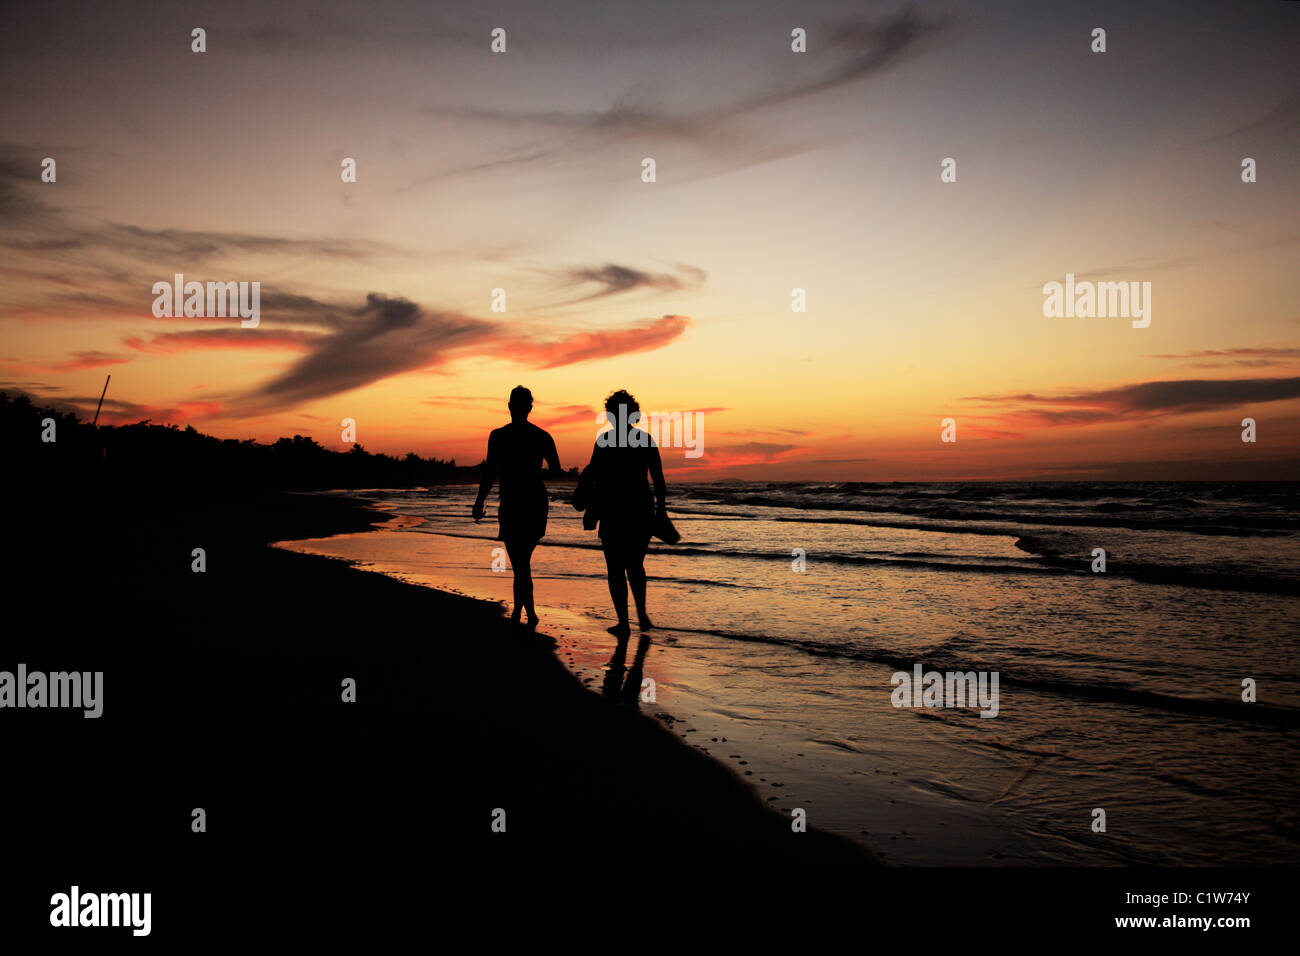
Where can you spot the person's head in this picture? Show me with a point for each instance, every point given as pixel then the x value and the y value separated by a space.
pixel 520 404
pixel 626 400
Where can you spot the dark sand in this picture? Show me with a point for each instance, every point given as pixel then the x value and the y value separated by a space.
pixel 222 691
pixel 329 820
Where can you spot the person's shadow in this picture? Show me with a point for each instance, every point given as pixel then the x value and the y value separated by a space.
pixel 623 683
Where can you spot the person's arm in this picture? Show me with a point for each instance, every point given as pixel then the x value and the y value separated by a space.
pixel 582 491
pixel 552 457
pixel 489 476
pixel 657 476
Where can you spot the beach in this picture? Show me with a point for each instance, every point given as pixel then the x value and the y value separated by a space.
pixel 223 690
pixel 1119 690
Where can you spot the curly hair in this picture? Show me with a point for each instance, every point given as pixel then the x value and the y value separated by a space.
pixel 622 397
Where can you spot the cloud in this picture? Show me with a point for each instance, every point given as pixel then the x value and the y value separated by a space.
pixel 867 47
pixel 170 343
pixel 1283 115
pixel 858 49
pixel 1145 265
pixel 191 246
pixel 589 346
pixel 119 412
pixel 393 335
pixel 1246 357
pixel 615 279
pixel 566 415
pixel 735 456
pixel 76 263
pixel 1142 400
pixel 78 362
pixel 475 402
pixel 90 359
pixel 386 336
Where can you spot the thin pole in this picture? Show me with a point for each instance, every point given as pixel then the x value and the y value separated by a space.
pixel 95 423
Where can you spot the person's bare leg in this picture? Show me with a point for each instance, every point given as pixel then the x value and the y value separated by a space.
pixel 526 555
pixel 636 578
pixel 520 563
pixel 617 589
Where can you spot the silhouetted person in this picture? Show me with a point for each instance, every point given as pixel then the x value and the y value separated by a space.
pixel 514 457
pixel 620 462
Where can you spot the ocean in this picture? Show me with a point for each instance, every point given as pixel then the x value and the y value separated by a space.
pixel 786 609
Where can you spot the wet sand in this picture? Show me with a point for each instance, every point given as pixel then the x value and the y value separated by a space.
pixel 864 788
pixel 225 686
pixel 816 731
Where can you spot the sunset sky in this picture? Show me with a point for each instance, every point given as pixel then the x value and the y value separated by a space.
pixel 775 170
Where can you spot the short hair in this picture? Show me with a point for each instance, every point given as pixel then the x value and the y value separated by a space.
pixel 520 397
pixel 622 397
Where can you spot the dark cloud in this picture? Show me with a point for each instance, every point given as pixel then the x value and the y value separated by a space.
pixel 1141 400
pixel 386 336
pixel 614 279
pixel 1200 395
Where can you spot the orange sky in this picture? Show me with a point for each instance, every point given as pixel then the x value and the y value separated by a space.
pixel 522 171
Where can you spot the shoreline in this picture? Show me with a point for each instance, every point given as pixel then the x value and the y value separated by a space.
pixel 648 742
pixel 815 729
pixel 233 675
pixel 862 791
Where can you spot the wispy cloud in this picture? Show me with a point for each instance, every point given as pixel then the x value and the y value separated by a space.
pixel 78 362
pixel 859 49
pixel 1140 400
pixel 116 411
pixel 865 47
pixel 565 416
pixel 733 457
pixel 169 343
pixel 1246 357
pixel 590 346
pixel 1281 116
pixel 613 279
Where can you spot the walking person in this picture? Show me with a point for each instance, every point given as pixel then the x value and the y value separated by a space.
pixel 515 455
pixel 615 486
